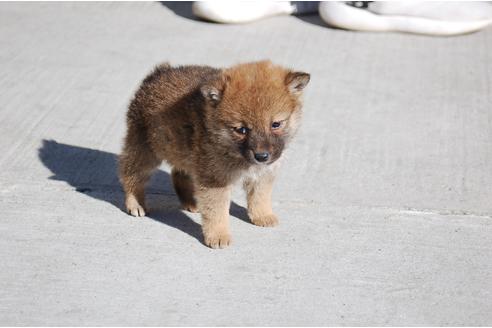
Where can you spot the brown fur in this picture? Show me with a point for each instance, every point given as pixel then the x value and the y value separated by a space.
pixel 190 116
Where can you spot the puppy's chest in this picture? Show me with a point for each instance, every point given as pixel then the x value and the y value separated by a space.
pixel 255 172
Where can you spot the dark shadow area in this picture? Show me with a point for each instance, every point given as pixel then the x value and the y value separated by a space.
pixel 314 19
pixel 94 173
pixel 182 9
pixel 239 212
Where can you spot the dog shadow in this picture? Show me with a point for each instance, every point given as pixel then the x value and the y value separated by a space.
pixel 94 173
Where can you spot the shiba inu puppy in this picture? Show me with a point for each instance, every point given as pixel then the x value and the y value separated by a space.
pixel 214 127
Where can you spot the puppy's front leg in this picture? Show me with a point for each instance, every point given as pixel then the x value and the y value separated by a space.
pixel 259 194
pixel 213 204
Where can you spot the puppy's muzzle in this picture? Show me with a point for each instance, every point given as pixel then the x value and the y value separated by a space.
pixel 262 157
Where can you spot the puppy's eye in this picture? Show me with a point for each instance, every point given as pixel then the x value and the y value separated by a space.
pixel 276 125
pixel 242 130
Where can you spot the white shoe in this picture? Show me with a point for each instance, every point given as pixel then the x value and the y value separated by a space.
pixel 234 12
pixel 420 17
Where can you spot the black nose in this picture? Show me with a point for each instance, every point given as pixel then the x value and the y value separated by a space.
pixel 262 157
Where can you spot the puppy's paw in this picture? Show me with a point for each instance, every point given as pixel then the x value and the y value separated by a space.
pixel 190 208
pixel 270 220
pixel 137 211
pixel 134 208
pixel 218 239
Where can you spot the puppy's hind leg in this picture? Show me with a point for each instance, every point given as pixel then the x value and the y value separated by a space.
pixel 136 164
pixel 185 189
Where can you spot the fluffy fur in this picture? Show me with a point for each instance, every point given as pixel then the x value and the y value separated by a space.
pixel 213 126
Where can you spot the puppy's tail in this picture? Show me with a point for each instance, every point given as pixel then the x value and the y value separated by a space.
pixel 158 70
pixel 164 65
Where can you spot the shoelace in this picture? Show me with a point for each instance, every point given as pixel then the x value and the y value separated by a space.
pixel 359 4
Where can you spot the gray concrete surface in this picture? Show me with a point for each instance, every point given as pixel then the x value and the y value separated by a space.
pixel 385 197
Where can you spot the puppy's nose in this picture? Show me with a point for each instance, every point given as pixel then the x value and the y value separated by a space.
pixel 262 157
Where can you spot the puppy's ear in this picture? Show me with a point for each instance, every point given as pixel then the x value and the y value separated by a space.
pixel 296 81
pixel 213 92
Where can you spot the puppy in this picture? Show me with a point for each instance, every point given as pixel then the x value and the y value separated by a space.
pixel 214 127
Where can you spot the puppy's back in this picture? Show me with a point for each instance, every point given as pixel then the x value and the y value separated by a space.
pixel 166 113
pixel 167 86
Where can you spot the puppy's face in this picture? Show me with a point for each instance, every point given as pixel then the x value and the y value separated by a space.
pixel 257 110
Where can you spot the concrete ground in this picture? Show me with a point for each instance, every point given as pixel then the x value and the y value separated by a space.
pixel 385 197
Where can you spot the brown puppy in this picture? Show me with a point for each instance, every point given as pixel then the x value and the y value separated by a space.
pixel 214 127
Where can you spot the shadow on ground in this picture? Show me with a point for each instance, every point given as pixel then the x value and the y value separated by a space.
pixel 182 9
pixel 315 20
pixel 94 173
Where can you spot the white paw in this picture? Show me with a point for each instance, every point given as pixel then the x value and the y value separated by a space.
pixel 134 208
pixel 270 220
pixel 218 239
pixel 136 211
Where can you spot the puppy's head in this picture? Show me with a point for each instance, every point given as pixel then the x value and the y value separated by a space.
pixel 256 108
